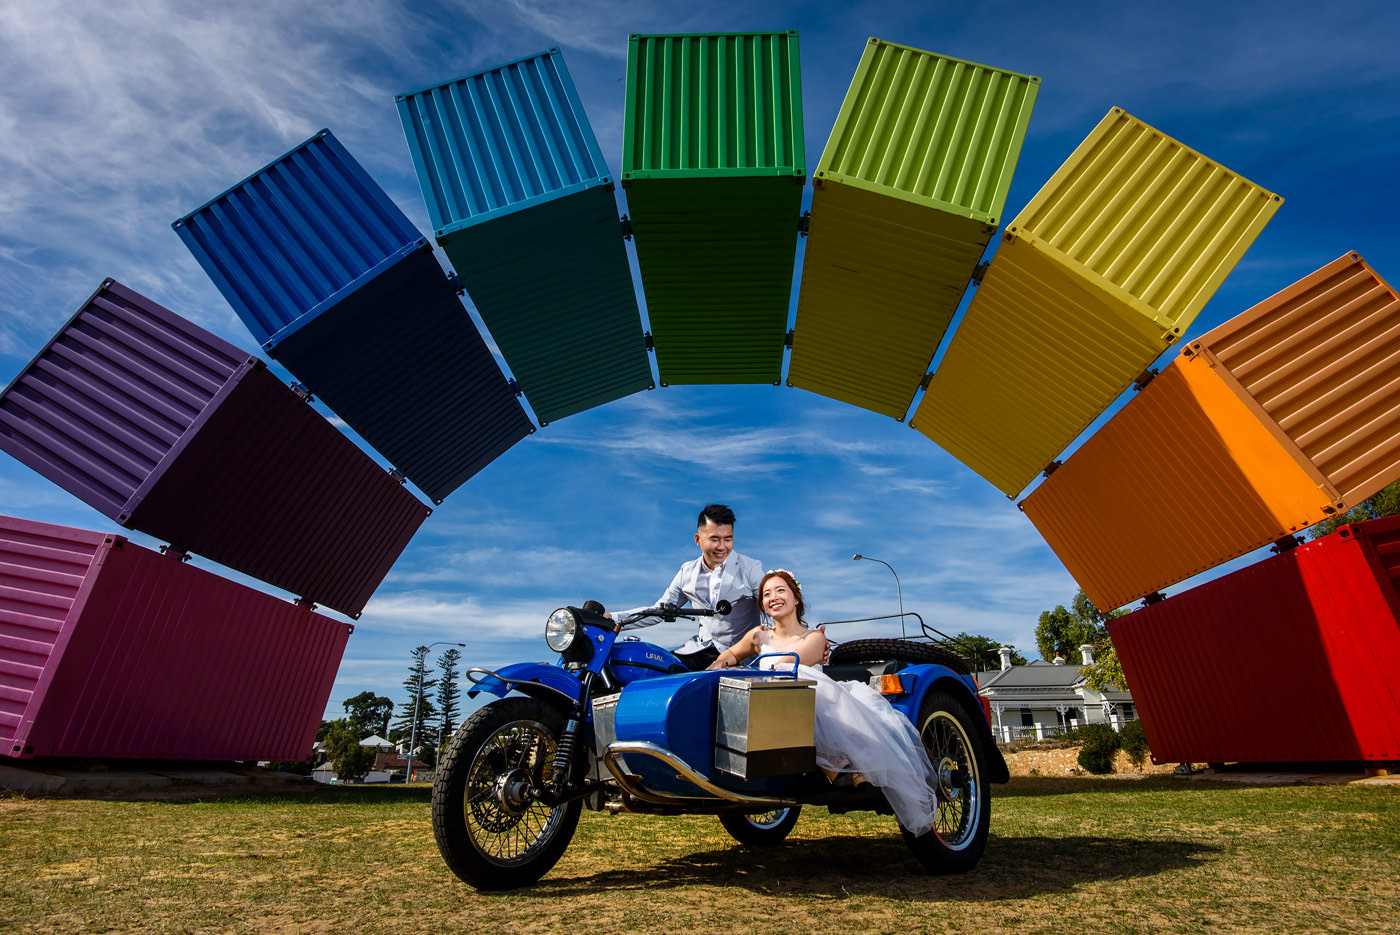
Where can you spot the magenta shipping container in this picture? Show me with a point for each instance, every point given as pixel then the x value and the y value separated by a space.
pixel 1293 659
pixel 165 428
pixel 111 650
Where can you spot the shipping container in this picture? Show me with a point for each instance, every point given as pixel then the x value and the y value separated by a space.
pixel 1105 268
pixel 337 285
pixel 909 190
pixel 713 165
pixel 111 650
pixel 1283 416
pixel 1293 659
pixel 168 429
pixel 523 205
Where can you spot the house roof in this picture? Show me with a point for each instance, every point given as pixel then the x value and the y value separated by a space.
pixel 374 740
pixel 1038 674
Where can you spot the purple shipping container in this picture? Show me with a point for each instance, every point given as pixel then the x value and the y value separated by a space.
pixel 168 429
pixel 108 649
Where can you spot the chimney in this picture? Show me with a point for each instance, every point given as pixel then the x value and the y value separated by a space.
pixel 1058 660
pixel 1006 657
pixel 1087 651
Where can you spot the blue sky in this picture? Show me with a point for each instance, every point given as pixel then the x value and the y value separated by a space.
pixel 118 117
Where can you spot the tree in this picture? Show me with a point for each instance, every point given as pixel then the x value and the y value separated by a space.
pixel 418 711
pixel 984 652
pixel 369 713
pixel 448 695
pixel 1061 632
pixel 350 761
pixel 1384 503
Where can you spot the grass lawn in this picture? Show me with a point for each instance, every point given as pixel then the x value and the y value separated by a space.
pixel 1066 855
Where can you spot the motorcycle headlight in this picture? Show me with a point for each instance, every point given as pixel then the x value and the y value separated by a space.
pixel 561 629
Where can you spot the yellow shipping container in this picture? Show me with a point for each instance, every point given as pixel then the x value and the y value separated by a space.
pixel 1103 270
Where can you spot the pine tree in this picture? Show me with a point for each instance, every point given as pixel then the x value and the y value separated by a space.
pixel 418 711
pixel 448 695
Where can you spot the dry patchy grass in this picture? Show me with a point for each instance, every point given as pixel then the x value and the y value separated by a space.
pixel 1160 855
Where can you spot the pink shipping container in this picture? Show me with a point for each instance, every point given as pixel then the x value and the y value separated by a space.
pixel 1293 659
pixel 111 650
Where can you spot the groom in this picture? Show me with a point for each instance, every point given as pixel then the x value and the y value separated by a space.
pixel 719 573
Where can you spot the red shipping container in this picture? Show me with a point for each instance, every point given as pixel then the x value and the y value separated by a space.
pixel 1293 659
pixel 111 650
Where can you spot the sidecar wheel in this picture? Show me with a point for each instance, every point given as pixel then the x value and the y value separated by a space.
pixel 766 829
pixel 490 834
pixel 959 833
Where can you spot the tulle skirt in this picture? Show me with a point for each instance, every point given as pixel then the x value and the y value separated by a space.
pixel 858 731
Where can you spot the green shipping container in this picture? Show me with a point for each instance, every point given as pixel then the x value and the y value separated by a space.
pixel 908 192
pixel 713 167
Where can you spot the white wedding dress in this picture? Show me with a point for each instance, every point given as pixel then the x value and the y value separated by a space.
pixel 858 732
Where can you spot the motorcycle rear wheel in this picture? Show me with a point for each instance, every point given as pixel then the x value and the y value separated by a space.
pixel 489 832
pixel 766 829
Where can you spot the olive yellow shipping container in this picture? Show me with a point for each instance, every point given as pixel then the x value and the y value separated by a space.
pixel 1283 416
pixel 1106 267
pixel 909 190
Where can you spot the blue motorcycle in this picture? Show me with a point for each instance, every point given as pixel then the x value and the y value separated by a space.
pixel 621 725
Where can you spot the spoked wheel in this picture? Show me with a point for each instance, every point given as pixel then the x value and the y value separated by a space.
pixel 491 832
pixel 959 833
pixel 766 829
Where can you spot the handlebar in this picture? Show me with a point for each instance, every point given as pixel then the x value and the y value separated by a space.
pixel 672 612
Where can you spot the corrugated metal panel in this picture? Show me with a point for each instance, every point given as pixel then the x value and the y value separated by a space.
pixel 881 279
pixel 1300 652
pixel 1321 360
pixel 523 207
pixel 290 241
pixel 336 283
pixel 716 258
pixel 143 656
pixel 929 129
pixel 553 285
pixel 169 430
pixel 1106 267
pixel 908 191
pixel 1183 478
pixel 1149 218
pixel 1039 354
pixel 714 104
pixel 402 363
pixel 713 162
pixel 500 140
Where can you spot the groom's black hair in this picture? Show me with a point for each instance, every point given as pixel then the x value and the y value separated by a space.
pixel 717 513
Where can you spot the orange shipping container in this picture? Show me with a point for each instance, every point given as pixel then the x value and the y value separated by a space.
pixel 1271 423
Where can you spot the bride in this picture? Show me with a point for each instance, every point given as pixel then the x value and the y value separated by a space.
pixel 856 729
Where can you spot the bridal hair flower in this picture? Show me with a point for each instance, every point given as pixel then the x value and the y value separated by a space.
pixel 788 573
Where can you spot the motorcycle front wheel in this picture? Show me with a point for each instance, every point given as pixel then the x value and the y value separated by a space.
pixel 491 833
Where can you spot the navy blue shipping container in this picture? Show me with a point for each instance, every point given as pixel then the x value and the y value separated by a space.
pixel 335 283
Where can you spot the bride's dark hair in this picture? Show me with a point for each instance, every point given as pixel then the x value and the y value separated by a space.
pixel 792 583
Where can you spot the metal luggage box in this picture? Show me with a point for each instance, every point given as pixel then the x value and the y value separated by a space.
pixel 765 726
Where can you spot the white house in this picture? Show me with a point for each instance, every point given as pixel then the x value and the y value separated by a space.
pixel 1045 698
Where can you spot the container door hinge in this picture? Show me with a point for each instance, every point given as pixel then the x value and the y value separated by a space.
pixel 651 345
pixel 302 392
pixel 1286 544
pixel 1144 378
pixel 397 475
pixel 1051 468
pixel 454 282
pixel 1156 597
pixel 514 387
pixel 980 271
pixel 175 552
pixel 787 340
pixel 923 384
pixel 804 223
pixel 305 602
pixel 626 227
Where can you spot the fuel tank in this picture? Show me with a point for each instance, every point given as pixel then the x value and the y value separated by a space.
pixel 633 659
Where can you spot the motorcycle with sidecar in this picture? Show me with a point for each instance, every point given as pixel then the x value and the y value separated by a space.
pixel 620 725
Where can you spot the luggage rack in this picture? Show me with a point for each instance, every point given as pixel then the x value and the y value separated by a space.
pixel 928 634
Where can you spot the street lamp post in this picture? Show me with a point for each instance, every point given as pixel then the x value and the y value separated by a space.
pixel 413 727
pixel 858 557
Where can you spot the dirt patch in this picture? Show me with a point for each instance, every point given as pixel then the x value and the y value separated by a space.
pixel 1064 761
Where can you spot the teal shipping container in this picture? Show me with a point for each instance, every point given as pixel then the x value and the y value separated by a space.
pixel 713 165
pixel 522 203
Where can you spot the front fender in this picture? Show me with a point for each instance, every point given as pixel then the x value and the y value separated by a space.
pixel 536 679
